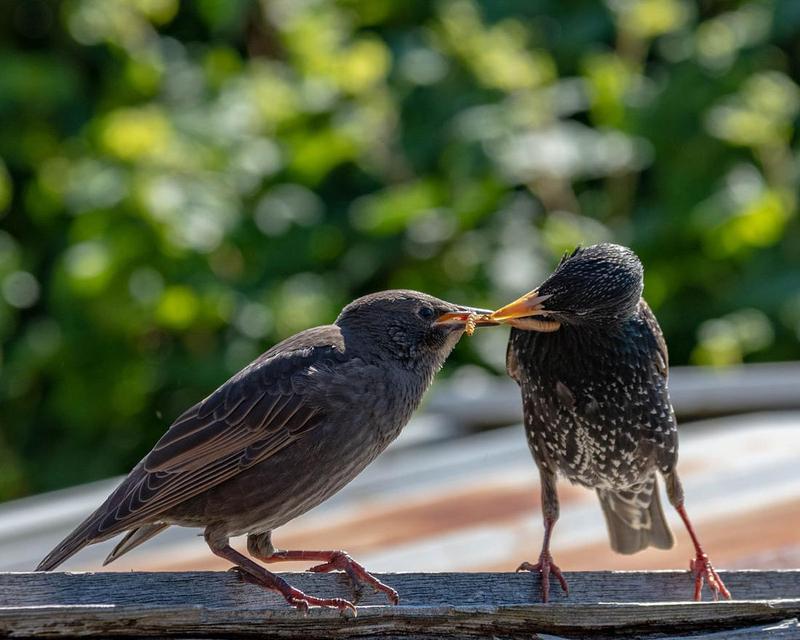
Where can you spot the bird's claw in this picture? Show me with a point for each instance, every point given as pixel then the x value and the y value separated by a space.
pixel 302 601
pixel 296 598
pixel 702 569
pixel 299 604
pixel 545 567
pixel 357 573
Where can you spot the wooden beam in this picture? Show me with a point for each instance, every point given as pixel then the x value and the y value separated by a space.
pixel 219 605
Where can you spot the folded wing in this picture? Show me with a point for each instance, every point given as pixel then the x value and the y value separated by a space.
pixel 258 412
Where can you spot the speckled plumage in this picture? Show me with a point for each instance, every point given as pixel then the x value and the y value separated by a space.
pixel 595 398
pixel 282 435
pixel 597 410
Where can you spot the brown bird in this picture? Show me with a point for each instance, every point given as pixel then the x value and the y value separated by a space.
pixel 281 436
pixel 592 365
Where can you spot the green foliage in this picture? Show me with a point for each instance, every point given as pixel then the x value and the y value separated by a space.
pixel 183 184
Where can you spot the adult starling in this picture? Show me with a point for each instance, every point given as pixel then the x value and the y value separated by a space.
pixel 281 436
pixel 591 362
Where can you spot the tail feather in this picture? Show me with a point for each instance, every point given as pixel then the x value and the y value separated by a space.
pixel 84 534
pixel 635 519
pixel 134 538
pixel 100 525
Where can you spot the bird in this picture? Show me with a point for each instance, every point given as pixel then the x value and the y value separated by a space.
pixel 281 436
pixel 592 366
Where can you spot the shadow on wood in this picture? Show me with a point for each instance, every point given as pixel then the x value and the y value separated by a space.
pixel 210 604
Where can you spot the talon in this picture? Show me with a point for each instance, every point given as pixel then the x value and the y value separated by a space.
pixel 703 571
pixel 332 603
pixel 300 605
pixel 294 597
pixel 357 573
pixel 545 567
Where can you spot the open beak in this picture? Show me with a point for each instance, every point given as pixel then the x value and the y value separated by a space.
pixel 460 318
pixel 521 313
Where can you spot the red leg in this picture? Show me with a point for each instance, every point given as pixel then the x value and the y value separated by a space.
pixel 256 574
pixel 701 566
pixel 333 560
pixel 296 598
pixel 546 566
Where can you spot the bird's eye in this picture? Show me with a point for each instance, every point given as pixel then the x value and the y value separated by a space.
pixel 426 313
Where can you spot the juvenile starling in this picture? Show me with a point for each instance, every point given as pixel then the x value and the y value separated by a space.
pixel 281 436
pixel 592 366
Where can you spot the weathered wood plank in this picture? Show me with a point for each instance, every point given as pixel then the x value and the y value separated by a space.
pixel 784 630
pixel 212 604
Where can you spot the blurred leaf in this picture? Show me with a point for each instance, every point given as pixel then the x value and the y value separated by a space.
pixel 650 18
pixel 177 308
pixel 392 209
pixel 133 134
pixel 609 79
pixel 762 113
pixel 759 224
pixel 6 188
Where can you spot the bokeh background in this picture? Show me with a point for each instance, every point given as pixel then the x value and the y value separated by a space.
pixel 184 184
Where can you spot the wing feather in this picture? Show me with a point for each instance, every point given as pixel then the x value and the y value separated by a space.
pixel 252 416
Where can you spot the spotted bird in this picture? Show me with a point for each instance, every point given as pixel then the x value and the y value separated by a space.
pixel 592 366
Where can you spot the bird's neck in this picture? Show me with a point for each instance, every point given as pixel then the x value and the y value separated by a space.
pixel 571 348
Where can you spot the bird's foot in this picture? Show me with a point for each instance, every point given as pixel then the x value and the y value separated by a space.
pixel 701 569
pixel 296 598
pixel 357 573
pixel 545 567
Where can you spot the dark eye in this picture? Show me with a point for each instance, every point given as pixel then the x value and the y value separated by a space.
pixel 426 313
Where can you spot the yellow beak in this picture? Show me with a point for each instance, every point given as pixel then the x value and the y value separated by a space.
pixel 521 313
pixel 528 305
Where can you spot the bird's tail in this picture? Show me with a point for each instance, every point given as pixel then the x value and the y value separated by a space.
pixel 83 535
pixel 134 538
pixel 635 519
pixel 100 525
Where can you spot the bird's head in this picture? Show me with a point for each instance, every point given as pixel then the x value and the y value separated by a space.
pixel 596 285
pixel 407 326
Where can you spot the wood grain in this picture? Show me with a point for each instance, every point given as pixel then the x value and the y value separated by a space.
pixel 217 604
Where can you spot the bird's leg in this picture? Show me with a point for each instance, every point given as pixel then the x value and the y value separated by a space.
pixel 546 566
pixel 700 565
pixel 256 574
pixel 331 561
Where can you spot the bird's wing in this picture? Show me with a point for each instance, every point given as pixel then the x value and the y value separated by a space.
pixel 659 417
pixel 662 354
pixel 250 417
pixel 253 415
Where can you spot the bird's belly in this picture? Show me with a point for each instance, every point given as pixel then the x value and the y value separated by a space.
pixel 589 454
pixel 286 485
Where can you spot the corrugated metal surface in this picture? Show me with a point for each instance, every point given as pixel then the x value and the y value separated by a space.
pixel 472 503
